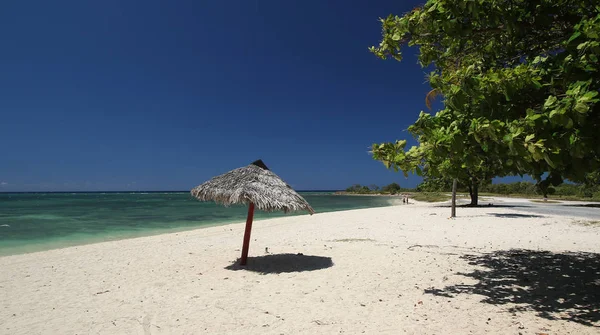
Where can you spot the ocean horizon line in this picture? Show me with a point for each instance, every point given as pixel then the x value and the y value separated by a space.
pixel 125 191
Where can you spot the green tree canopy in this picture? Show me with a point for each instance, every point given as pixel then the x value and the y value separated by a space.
pixel 357 188
pixel 392 188
pixel 519 81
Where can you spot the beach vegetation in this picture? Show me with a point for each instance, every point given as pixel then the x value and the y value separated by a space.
pixel 391 189
pixel 430 196
pixel 431 188
pixel 519 88
pixel 359 189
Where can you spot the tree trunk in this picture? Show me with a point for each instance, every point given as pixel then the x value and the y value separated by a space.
pixel 474 192
pixel 471 193
pixel 453 210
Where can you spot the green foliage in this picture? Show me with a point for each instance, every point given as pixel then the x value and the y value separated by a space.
pixel 430 196
pixel 520 86
pixel 566 190
pixel 358 189
pixel 522 188
pixel 438 189
pixel 436 185
pixel 392 188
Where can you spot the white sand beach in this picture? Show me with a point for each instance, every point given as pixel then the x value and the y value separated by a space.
pixel 393 270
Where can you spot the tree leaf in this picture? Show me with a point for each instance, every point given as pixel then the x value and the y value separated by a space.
pixel 549 161
pixel 568 123
pixel 550 101
pixel 588 96
pixel 581 108
pixel 534 117
pixel 574 36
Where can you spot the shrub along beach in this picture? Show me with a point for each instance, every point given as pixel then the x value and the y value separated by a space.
pixel 438 191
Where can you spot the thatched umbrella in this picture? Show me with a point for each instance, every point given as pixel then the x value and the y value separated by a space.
pixel 256 186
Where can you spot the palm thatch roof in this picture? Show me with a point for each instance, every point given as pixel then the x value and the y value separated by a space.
pixel 256 184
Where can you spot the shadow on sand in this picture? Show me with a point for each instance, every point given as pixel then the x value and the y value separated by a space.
pixel 555 285
pixel 585 205
pixel 482 206
pixel 280 263
pixel 515 216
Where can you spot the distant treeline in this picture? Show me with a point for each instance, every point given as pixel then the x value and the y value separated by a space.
pixel 563 190
pixel 517 188
pixel 523 188
pixel 392 188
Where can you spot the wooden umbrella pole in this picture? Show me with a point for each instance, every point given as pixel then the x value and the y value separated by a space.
pixel 244 258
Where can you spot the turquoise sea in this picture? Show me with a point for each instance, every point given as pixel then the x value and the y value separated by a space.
pixel 42 221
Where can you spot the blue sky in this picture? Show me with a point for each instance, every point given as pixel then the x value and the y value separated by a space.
pixel 163 95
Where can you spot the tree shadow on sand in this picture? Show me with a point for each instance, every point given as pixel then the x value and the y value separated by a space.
pixel 563 286
pixel 585 205
pixel 280 263
pixel 486 205
pixel 515 215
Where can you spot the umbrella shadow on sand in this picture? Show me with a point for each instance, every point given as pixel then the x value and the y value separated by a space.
pixel 282 263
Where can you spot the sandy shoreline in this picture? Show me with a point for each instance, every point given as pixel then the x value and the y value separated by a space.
pixel 401 269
